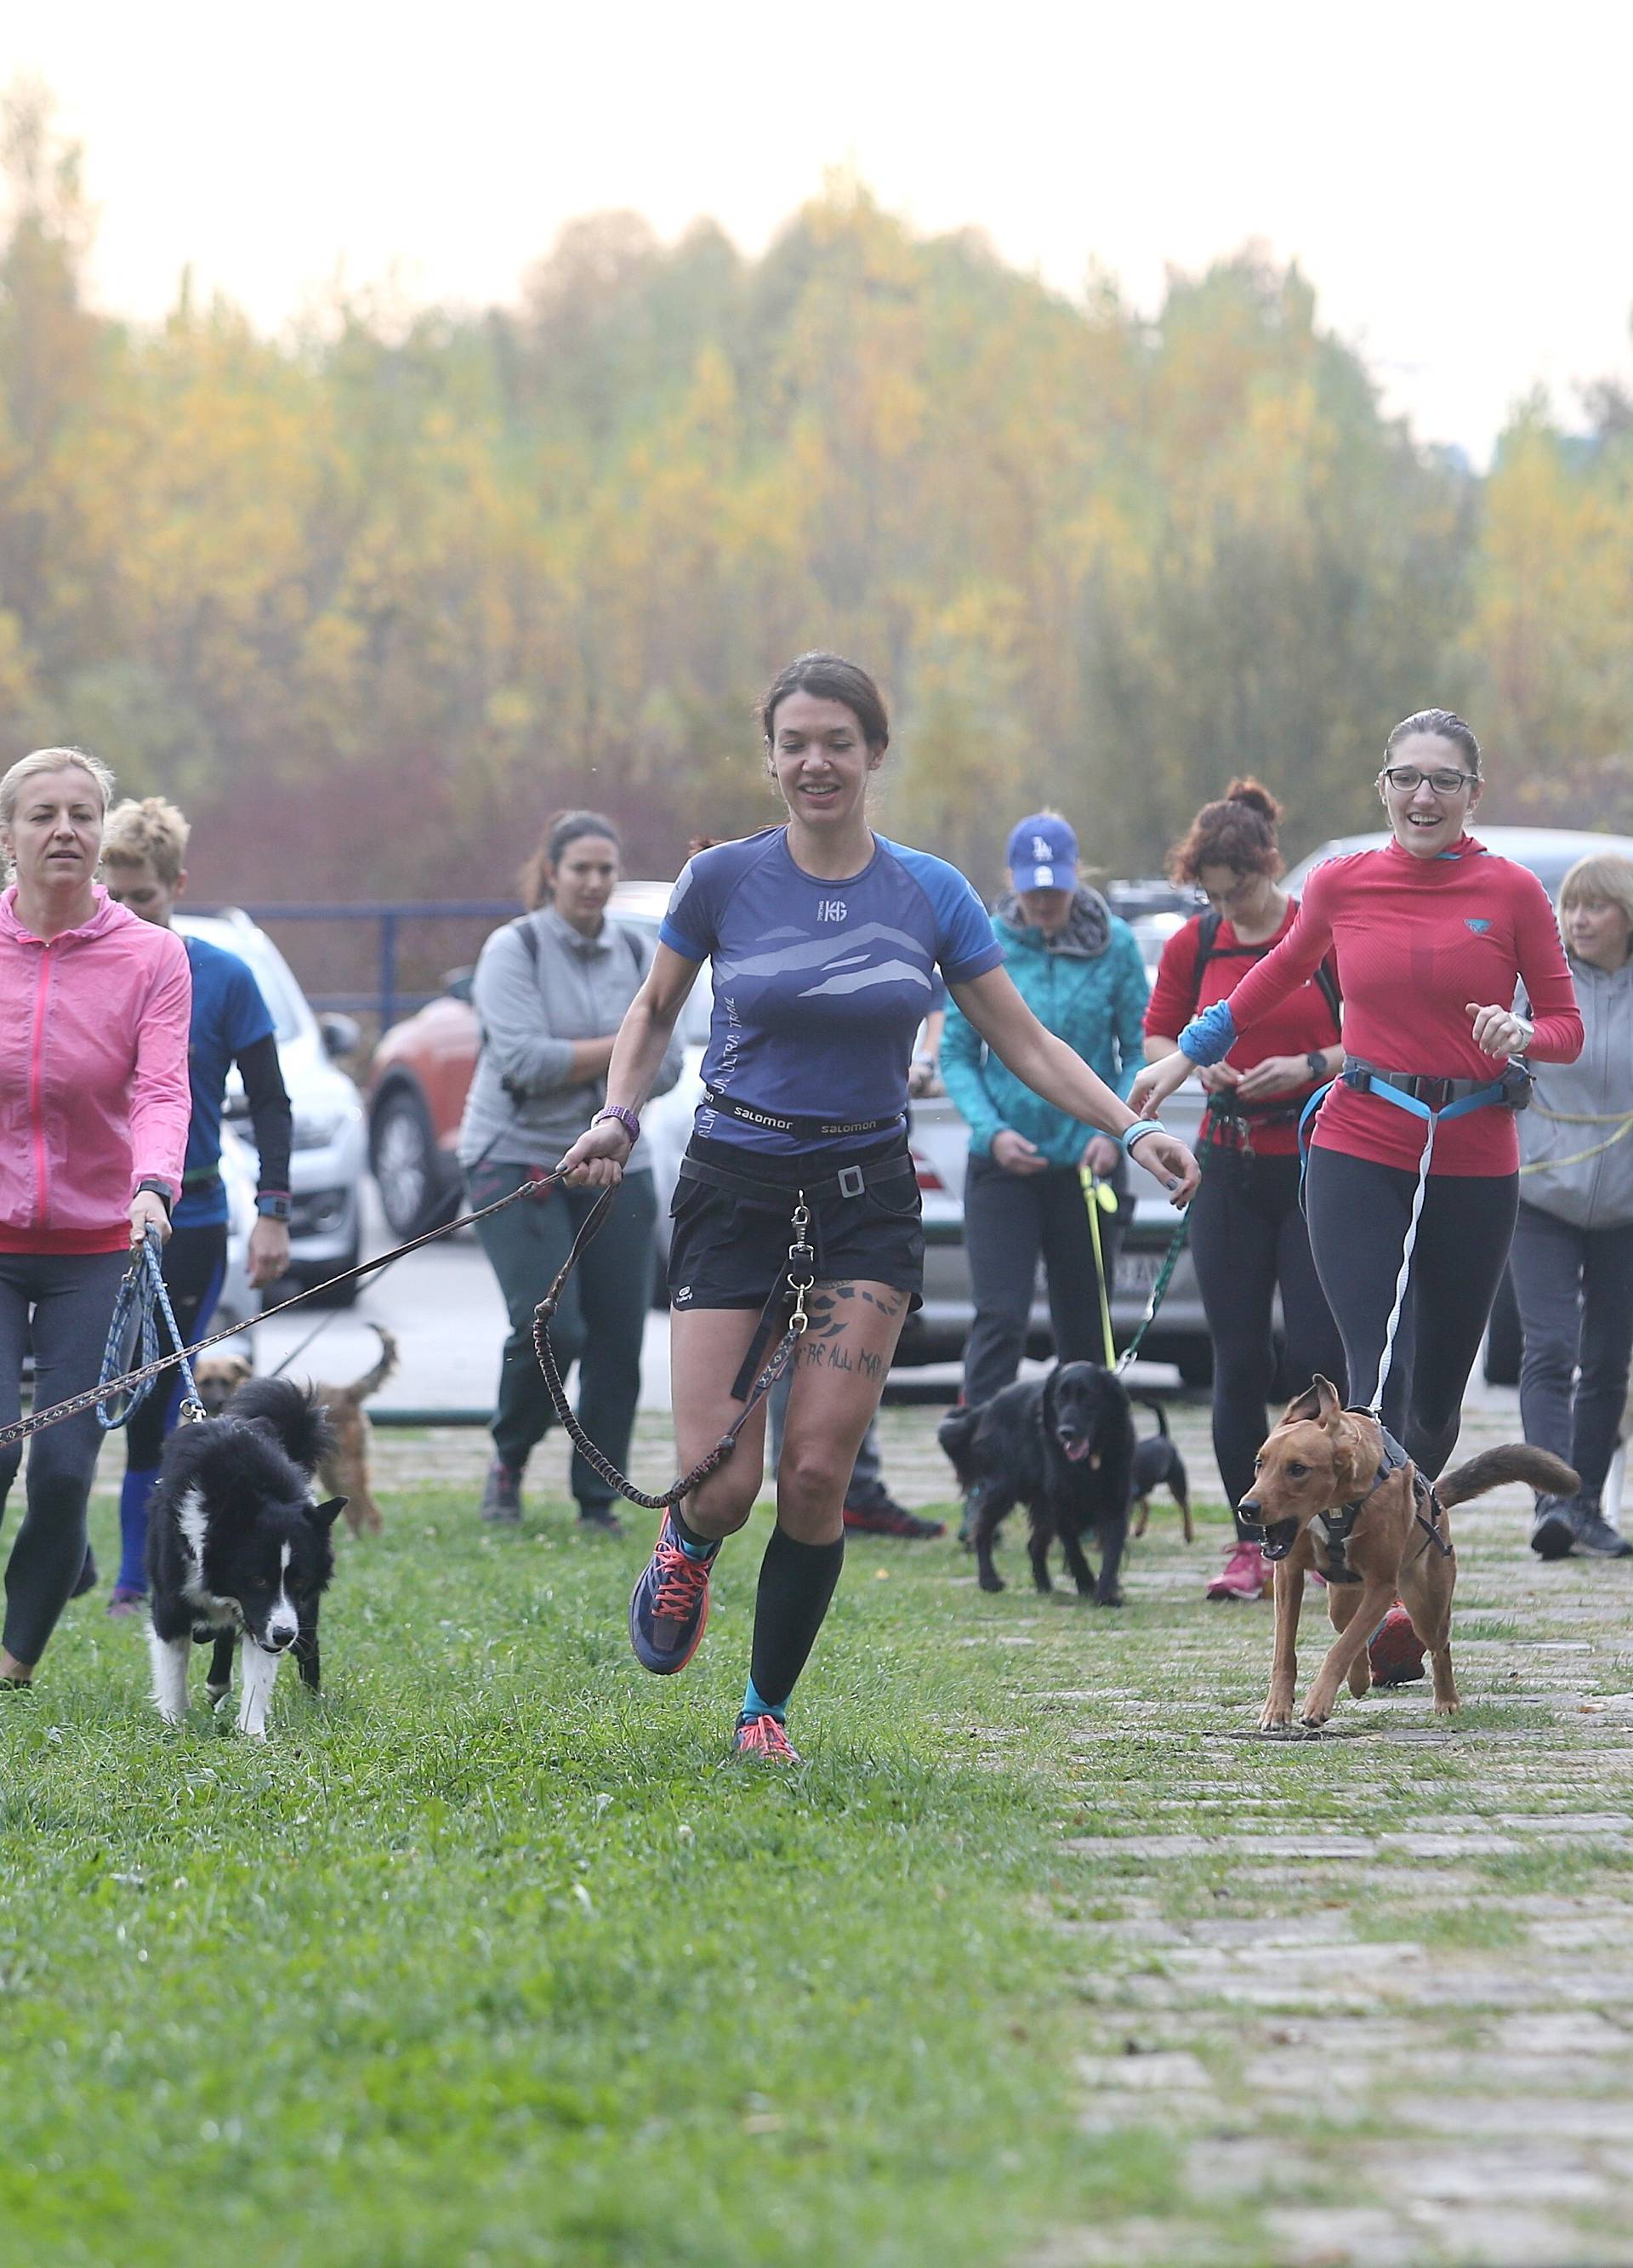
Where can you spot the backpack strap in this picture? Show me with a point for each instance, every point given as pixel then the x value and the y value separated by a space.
pixel 1207 945
pixel 1207 938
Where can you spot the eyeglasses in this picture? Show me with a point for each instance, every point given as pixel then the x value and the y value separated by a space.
pixel 1406 778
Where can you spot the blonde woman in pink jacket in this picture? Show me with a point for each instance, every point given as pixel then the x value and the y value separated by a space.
pixel 94 1008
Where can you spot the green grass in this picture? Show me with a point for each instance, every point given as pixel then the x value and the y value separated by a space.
pixel 493 1958
pixel 490 1957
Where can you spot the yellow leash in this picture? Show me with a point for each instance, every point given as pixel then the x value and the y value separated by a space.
pixel 1622 1122
pixel 1100 1196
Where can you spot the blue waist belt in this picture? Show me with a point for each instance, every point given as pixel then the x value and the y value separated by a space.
pixel 1424 1096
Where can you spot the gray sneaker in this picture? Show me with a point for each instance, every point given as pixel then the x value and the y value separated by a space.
pixel 1593 1533
pixel 1552 1530
pixel 502 1495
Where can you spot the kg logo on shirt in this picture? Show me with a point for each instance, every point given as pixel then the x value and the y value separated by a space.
pixel 834 910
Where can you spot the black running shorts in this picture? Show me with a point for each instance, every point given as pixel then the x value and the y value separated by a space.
pixel 729 1248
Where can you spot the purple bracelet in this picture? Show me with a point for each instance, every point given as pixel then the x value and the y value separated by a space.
pixel 627 1119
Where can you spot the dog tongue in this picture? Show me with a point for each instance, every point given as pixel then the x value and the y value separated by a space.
pixel 1076 1450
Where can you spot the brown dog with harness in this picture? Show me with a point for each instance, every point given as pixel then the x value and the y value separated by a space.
pixel 1335 1494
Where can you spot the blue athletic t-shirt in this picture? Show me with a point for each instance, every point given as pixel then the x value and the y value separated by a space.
pixel 229 1015
pixel 820 986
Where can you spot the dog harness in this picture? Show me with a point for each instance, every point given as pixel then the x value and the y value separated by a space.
pixel 1338 1525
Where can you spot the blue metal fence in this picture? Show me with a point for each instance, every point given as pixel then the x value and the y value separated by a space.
pixel 388 1000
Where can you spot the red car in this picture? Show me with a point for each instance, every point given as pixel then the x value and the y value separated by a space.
pixel 417 1082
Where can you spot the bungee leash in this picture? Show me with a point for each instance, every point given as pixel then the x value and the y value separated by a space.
pixel 22 1429
pixel 145 1295
pixel 797 1280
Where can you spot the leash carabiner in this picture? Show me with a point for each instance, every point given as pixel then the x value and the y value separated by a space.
pixel 801 1254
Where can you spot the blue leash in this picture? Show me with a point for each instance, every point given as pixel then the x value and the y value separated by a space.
pixel 143 1296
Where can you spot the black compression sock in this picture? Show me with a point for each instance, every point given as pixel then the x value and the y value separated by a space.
pixel 796 1584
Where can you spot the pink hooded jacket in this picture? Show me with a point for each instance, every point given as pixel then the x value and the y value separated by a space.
pixel 93 1076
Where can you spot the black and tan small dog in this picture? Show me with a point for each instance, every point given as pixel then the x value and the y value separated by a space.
pixel 1158 1464
pixel 346 1467
pixel 239 1546
pixel 1063 1447
pixel 1334 1494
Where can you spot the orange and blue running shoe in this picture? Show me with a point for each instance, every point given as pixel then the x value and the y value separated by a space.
pixel 669 1606
pixel 765 1738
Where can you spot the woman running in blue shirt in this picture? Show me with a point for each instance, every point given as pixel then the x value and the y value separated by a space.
pixel 825 939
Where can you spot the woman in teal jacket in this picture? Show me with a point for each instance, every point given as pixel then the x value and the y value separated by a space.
pixel 1079 970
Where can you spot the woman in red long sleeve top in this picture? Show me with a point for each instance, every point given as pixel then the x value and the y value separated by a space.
pixel 1432 934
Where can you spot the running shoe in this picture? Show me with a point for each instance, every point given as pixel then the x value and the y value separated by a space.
pixel 1553 1532
pixel 1393 1650
pixel 669 1606
pixel 1246 1574
pixel 1593 1534
pixel 764 1737
pixel 882 1515
pixel 123 1602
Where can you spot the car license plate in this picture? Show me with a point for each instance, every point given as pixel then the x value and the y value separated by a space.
pixel 1137 1271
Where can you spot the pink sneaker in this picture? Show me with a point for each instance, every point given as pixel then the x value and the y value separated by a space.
pixel 1393 1650
pixel 1246 1574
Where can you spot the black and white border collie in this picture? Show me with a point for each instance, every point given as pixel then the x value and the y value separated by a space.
pixel 238 1545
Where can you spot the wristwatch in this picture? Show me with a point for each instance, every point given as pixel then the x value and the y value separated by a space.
pixel 272 1204
pixel 162 1191
pixel 1317 1061
pixel 627 1119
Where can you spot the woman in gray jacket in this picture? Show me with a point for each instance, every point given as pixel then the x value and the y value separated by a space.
pixel 550 992
pixel 1572 1255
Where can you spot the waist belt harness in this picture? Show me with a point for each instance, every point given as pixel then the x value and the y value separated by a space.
pixel 802 1129
pixel 1431 1100
pixel 799 1207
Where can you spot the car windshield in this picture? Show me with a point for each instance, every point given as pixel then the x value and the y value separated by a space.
pixel 278 988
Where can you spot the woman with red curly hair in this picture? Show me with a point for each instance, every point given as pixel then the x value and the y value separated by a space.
pixel 1249 1239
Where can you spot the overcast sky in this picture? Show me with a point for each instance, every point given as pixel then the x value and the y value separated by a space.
pixel 1454 179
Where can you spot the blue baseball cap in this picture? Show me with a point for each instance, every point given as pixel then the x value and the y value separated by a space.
pixel 1043 853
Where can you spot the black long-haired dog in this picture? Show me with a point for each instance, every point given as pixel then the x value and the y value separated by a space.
pixel 1063 1447
pixel 238 1545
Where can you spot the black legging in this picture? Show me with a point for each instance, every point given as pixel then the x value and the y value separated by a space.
pixel 1248 1237
pixel 63 1302
pixel 1358 1213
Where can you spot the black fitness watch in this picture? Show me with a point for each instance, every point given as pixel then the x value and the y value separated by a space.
pixel 159 1190
pixel 1317 1061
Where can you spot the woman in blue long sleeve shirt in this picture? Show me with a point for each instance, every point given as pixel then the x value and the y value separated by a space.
pixel 1079 970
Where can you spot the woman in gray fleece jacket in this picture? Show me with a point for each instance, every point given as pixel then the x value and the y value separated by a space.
pixel 1572 1255
pixel 550 991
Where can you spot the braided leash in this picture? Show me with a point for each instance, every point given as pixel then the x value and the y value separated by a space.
pixel 105 1389
pixel 800 1254
pixel 142 1292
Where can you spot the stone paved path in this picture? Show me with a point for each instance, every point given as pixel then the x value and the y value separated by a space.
pixel 1381 1984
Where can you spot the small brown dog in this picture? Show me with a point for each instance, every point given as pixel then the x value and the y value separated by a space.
pixel 1332 1492
pixel 344 1470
